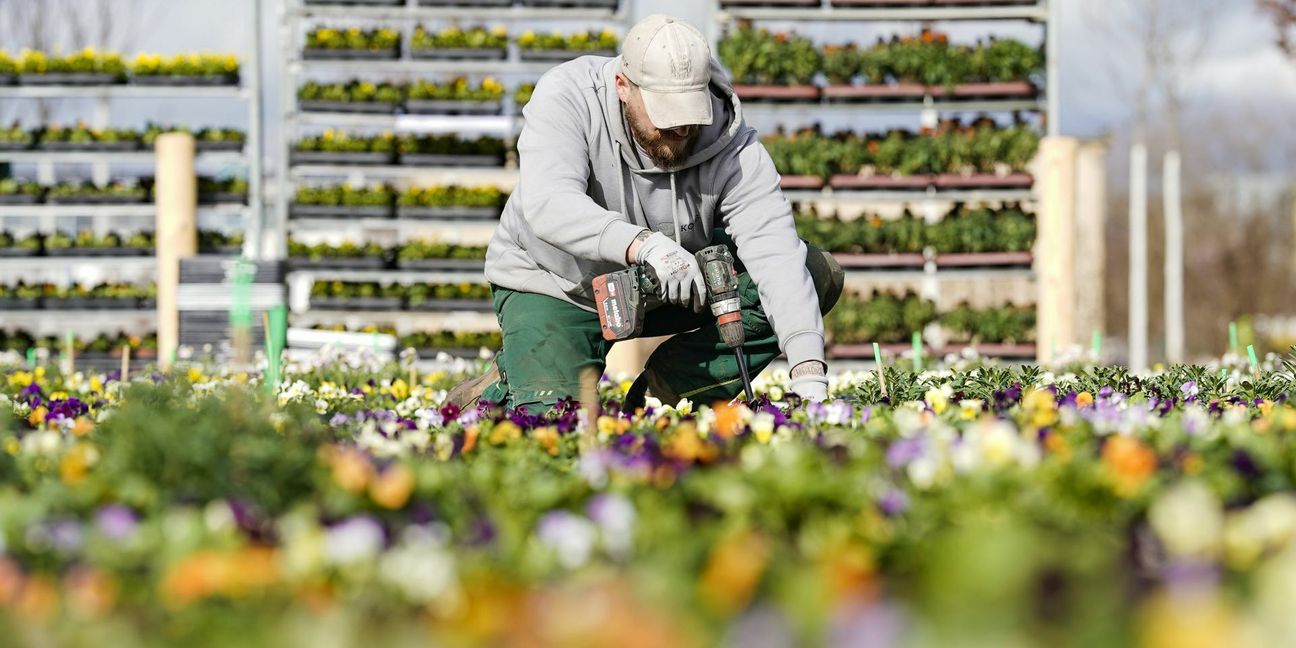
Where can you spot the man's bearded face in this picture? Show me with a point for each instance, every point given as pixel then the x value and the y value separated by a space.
pixel 668 148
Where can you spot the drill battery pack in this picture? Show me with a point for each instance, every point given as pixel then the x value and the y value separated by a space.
pixel 622 298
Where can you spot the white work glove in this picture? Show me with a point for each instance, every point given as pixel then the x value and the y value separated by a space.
pixel 810 381
pixel 677 270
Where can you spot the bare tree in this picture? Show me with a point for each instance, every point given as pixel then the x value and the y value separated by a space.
pixel 1283 14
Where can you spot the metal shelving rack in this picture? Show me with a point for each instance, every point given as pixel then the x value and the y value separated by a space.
pixel 930 202
pixel 295 19
pixel 49 215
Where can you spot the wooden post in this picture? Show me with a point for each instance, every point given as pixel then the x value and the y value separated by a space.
pixel 1091 221
pixel 1174 259
pixel 1055 247
pixel 1138 251
pixel 175 191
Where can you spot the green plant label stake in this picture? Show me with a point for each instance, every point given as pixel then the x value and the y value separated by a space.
pixel 1096 345
pixel 917 352
pixel 877 359
pixel 241 310
pixel 69 340
pixel 31 357
pixel 275 337
pixel 1251 355
pixel 1233 338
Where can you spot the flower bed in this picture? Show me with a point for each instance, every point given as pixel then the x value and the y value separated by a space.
pixel 980 500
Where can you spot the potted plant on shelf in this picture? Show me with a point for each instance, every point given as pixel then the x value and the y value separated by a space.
pixel 357 3
pixel 522 95
pixel 367 296
pixel 381 43
pixel 219 139
pixel 85 67
pixel 353 97
pixel 19 192
pixel 857 321
pixel 593 4
pixel 435 255
pixel 771 66
pixel 455 43
pixel 229 191
pixel 450 202
pixel 1008 330
pixel 84 138
pixel 348 255
pixel 464 296
pixel 342 201
pixel 12 246
pixel 455 97
pixel 459 344
pixel 787 4
pixel 21 296
pixel 333 147
pixel 16 138
pixel 559 47
pixel 219 243
pixel 85 193
pixel 8 69
pixel 185 70
pixel 450 150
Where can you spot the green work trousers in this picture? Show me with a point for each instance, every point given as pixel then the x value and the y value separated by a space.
pixel 548 342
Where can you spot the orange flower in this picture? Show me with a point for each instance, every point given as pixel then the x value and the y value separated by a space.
pixel 505 431
pixel 1130 463
pixel 686 445
pixel 728 420
pixel 470 439
pixel 733 571
pixel 11 581
pixel 39 600
pixel 547 437
pixel 83 426
pixel 90 592
pixel 352 470
pixel 220 573
pixel 76 463
pixel 392 488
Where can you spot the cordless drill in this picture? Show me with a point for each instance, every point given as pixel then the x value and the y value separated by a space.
pixel 623 297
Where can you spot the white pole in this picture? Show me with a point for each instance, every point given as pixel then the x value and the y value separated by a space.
pixel 1138 272
pixel 1174 262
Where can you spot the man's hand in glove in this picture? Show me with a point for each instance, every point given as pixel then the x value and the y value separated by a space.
pixel 810 380
pixel 677 270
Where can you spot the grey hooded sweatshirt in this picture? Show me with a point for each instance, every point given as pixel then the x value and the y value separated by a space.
pixel 586 190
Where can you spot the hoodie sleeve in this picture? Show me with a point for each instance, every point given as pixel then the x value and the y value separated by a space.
pixel 553 153
pixel 759 218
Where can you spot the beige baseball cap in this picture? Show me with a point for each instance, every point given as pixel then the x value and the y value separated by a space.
pixel 670 61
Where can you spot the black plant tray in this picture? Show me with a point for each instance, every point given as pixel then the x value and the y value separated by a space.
pixel 453 107
pixel 599 4
pixel 208 146
pixel 365 107
pixel 339 211
pixel 221 250
pixel 168 80
pixel 560 55
pixel 17 253
pixel 92 147
pixel 70 78
pixel 91 303
pixel 96 200
pixel 448 213
pixel 351 55
pixel 19 199
pixel 222 198
pixel 147 303
pixel 459 54
pixel 8 79
pixel 362 3
pixel 346 263
pixel 442 305
pixel 441 264
pixel 341 157
pixel 18 304
pixel 450 160
pixel 98 252
pixel 16 146
pixel 465 3
pixel 356 303
pixel 454 352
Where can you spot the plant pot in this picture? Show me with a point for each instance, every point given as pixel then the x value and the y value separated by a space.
pixel 222 198
pixel 910 182
pixel 16 146
pixel 113 303
pixel 448 213
pixel 19 199
pixel 453 107
pixel 8 79
pixel 465 3
pixel 800 182
pixel 459 54
pixel 341 157
pixel 478 265
pixel 769 3
pixel 559 56
pixel 777 92
pixel 996 90
pixel 898 261
pixel 69 78
pixel 431 353
pixel 875 92
pixel 450 160
pixel 297 210
pixel 82 252
pixel 10 304
pixel 169 80
pixel 356 303
pixel 998 350
pixel 353 107
pixel 221 250
pixel 583 4
pixel 983 259
pixel 984 181
pixel 96 200
pixel 443 305
pixel 211 146
pixel 358 3
pixel 17 253
pixel 865 351
pixel 316 54
pixel 74 303
pixel 346 263
pixel 96 147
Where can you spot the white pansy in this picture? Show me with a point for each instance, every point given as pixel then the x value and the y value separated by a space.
pixel 1189 520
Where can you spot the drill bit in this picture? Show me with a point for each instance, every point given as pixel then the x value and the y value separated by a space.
pixel 742 369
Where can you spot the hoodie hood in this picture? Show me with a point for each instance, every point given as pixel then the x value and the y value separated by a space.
pixel 711 140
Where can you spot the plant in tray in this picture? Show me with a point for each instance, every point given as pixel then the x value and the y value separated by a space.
pixel 760 57
pixel 118 192
pixel 345 250
pixel 453 40
pixel 16 137
pixel 381 40
pixel 83 66
pixel 604 41
pixel 388 95
pixel 11 245
pixel 82 137
pixel 8 67
pixel 522 95
pixel 346 195
pixel 457 89
pixel 424 250
pixel 1003 325
pixel 881 317
pixel 437 340
pixel 14 190
pixel 452 196
pixel 450 148
pixel 203 68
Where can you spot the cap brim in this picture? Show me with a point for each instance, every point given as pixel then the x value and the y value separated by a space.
pixel 675 109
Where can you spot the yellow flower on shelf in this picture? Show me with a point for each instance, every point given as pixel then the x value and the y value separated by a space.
pixel 547 437
pixel 499 30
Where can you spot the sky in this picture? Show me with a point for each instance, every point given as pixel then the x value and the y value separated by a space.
pixel 1241 75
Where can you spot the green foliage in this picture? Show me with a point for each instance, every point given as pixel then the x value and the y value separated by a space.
pixel 353 38
pixel 452 196
pixel 345 195
pixel 454 37
pixel 882 317
pixel 757 56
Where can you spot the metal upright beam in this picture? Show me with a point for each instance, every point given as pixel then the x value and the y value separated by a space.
pixel 254 224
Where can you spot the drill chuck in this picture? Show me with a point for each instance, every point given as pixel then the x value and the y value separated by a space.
pixel 722 292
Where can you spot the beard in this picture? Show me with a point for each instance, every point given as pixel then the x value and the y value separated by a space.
pixel 665 151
